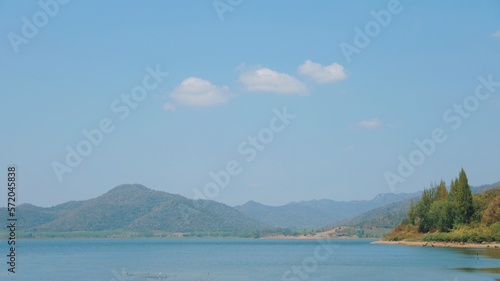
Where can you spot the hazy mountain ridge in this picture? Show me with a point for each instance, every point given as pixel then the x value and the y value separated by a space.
pixel 390 215
pixel 137 208
pixel 484 187
pixel 316 213
pixel 387 216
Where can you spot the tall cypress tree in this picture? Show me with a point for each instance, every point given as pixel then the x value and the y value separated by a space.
pixel 465 208
pixel 441 192
pixel 453 191
pixel 460 197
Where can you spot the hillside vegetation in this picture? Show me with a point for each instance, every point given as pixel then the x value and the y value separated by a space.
pixel 133 208
pixel 381 221
pixel 452 216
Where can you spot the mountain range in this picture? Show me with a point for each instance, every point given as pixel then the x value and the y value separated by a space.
pixel 316 213
pixel 136 208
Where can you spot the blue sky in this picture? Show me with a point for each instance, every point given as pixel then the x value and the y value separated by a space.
pixel 229 71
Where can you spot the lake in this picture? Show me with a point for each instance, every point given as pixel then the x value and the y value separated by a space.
pixel 244 259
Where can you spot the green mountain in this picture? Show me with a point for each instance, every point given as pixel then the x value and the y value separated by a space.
pixel 30 216
pixel 136 208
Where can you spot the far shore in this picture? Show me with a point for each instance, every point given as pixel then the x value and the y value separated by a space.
pixel 441 244
pixel 309 237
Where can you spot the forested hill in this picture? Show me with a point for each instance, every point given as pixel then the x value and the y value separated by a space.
pixel 134 207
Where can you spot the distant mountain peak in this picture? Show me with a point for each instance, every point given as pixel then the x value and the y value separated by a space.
pixel 251 203
pixel 129 187
pixel 383 196
pixel 125 191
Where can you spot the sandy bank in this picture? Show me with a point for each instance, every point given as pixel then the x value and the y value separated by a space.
pixel 307 237
pixel 440 244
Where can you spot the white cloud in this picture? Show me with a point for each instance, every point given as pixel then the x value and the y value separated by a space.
pixel 198 92
pixel 495 34
pixel 169 107
pixel 323 74
pixel 350 148
pixel 267 80
pixel 370 124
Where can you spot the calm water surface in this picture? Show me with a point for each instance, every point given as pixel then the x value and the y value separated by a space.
pixel 240 259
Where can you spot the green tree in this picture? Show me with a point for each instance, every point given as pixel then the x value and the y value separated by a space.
pixel 453 191
pixel 464 205
pixel 411 215
pixel 441 192
pixel 441 215
pixel 423 220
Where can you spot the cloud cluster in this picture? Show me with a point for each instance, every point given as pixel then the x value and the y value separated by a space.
pixel 323 74
pixel 194 91
pixel 267 80
pixel 370 124
pixel 198 92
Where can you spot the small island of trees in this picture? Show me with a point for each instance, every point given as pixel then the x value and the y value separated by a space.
pixel 452 216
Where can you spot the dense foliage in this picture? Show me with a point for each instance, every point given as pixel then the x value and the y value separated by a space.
pixel 456 215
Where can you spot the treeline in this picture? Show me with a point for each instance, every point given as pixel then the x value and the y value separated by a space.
pixel 156 234
pixel 455 214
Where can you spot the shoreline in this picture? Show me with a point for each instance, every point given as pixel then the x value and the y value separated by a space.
pixel 301 237
pixel 191 238
pixel 494 246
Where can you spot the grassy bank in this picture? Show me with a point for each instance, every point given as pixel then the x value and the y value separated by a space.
pixel 464 233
